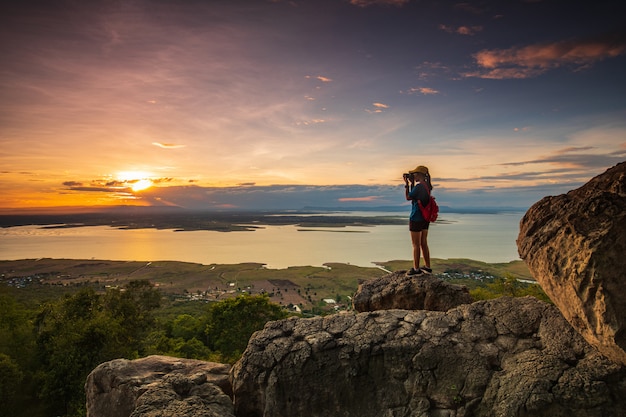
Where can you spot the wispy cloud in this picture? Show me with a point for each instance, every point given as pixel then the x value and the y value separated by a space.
pixel 427 70
pixel 575 158
pixel 310 122
pixel 378 108
pixel 167 145
pixel 422 90
pixel 368 198
pixel 320 78
pixel 461 30
pixel 534 60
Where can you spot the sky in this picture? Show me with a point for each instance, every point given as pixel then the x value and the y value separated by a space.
pixel 214 104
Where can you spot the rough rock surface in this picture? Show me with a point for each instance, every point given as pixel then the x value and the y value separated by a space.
pixel 575 246
pixel 397 291
pixel 504 358
pixel 159 386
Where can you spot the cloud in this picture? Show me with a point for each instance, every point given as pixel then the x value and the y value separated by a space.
pixel 111 186
pixel 534 60
pixel 360 199
pixel 580 161
pixel 284 197
pixel 167 145
pixel 422 90
pixel 575 149
pixel 378 108
pixel 94 189
pixel 461 30
pixel 310 122
pixel 351 197
pixel 320 78
pixel 428 70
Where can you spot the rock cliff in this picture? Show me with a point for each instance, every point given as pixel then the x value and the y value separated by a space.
pixel 575 246
pixel 397 291
pixel 505 357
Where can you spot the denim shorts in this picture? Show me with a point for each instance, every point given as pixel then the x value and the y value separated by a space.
pixel 418 226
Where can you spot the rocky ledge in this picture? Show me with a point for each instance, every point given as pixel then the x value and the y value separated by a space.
pixel 505 357
pixel 159 386
pixel 509 357
pixel 397 291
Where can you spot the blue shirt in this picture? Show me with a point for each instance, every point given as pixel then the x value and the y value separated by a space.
pixel 418 192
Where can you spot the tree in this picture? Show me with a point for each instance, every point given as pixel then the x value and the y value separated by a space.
pixel 187 327
pixel 131 308
pixel 191 349
pixel 230 323
pixel 10 379
pixel 508 286
pixel 77 333
pixel 68 347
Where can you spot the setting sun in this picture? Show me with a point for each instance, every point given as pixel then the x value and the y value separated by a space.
pixel 136 180
pixel 141 185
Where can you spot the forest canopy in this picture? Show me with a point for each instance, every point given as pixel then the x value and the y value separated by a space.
pixel 47 352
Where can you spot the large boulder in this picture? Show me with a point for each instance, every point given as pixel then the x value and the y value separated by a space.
pixel 575 246
pixel 159 386
pixel 504 358
pixel 399 291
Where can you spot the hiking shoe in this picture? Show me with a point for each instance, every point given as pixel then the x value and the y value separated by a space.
pixel 414 272
pixel 426 270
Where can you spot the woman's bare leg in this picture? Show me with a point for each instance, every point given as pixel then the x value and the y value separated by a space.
pixel 416 239
pixel 425 249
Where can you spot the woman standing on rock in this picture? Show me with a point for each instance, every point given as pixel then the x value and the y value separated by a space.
pixel 417 188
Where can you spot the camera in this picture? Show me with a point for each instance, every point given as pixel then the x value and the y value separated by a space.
pixel 408 176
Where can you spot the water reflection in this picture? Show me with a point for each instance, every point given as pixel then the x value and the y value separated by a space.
pixel 485 237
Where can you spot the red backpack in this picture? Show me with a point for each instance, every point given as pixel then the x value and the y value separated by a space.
pixel 431 210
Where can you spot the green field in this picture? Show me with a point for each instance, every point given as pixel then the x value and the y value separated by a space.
pixel 35 280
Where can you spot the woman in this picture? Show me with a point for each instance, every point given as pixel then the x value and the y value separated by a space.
pixel 418 189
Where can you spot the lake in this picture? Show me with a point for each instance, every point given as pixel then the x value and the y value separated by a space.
pixel 483 237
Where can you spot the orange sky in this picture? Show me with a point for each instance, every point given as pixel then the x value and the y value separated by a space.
pixel 149 103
